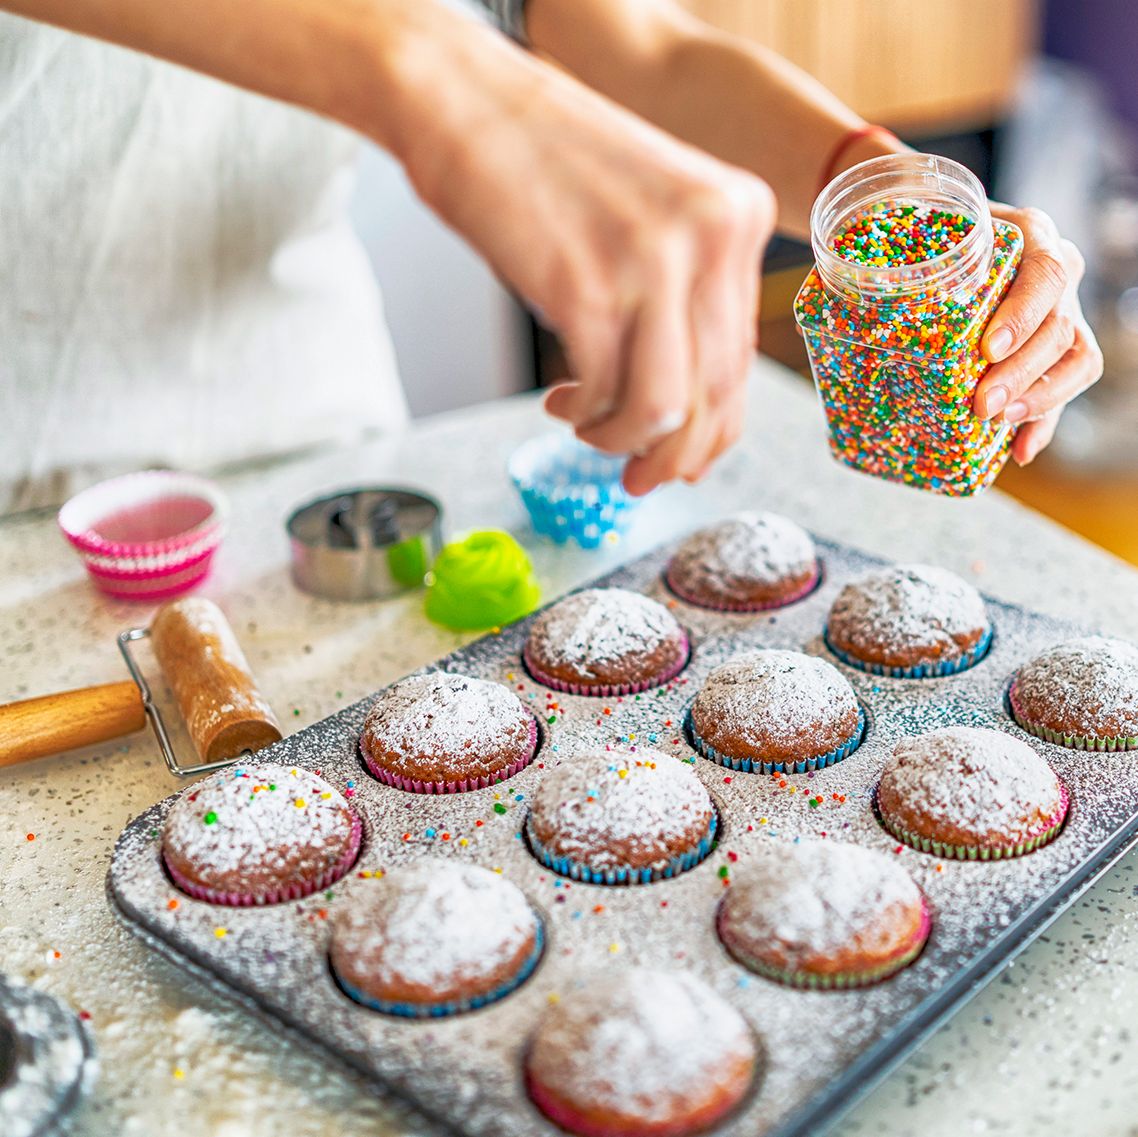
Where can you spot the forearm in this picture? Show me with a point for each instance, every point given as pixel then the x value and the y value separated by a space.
pixel 680 73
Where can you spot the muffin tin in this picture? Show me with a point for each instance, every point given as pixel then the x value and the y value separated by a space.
pixel 822 1050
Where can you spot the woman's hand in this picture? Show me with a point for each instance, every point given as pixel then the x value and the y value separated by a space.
pixel 1043 352
pixel 640 251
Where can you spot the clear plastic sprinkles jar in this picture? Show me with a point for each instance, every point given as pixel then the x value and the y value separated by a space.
pixel 909 267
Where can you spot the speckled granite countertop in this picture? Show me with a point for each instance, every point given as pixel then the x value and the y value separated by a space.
pixel 1050 1046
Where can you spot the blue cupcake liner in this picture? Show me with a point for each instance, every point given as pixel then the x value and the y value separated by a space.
pixel 938 670
pixel 758 766
pixel 575 870
pixel 571 491
pixel 454 1007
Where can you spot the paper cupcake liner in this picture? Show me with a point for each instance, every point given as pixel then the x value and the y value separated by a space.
pixel 1070 741
pixel 607 690
pixel 758 766
pixel 937 670
pixel 576 870
pixel 726 606
pixel 454 1006
pixel 418 786
pixel 294 890
pixel 1048 832
pixel 840 981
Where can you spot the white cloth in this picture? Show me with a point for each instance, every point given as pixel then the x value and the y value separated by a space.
pixel 179 283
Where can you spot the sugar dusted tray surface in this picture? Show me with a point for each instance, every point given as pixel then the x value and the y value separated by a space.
pixel 467 1069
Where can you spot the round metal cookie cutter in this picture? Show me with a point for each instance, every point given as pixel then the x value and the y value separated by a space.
pixel 364 544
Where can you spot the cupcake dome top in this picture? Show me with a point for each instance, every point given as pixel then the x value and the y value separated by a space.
pixel 444 727
pixel 595 635
pixel 612 809
pixel 977 786
pixel 907 614
pixel 779 704
pixel 641 1044
pixel 246 824
pixel 1087 686
pixel 431 928
pixel 813 902
pixel 750 558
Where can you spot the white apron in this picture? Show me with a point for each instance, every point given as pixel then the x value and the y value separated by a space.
pixel 179 283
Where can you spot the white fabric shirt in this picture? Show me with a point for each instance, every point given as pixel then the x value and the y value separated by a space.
pixel 179 282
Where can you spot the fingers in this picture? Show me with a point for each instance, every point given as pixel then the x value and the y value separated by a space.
pixel 1039 284
pixel 594 351
pixel 1031 439
pixel 1004 383
pixel 1080 368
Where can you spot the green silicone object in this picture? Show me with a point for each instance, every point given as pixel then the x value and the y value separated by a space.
pixel 483 581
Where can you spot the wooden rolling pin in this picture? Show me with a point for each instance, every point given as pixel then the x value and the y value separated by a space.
pixel 207 671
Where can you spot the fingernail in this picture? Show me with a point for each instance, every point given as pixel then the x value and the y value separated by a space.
pixel 999 344
pixel 1017 412
pixel 996 401
pixel 669 423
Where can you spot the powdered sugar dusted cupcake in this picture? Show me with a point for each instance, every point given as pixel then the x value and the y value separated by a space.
pixel 970 794
pixel 1082 694
pixel 259 834
pixel 822 914
pixel 443 733
pixel 909 621
pixel 605 641
pixel 770 710
pixel 621 817
pixel 640 1053
pixel 745 564
pixel 434 938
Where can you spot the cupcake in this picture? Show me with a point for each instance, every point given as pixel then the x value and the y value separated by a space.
pixel 970 794
pixel 259 834
pixel 745 564
pixel 443 733
pixel 909 621
pixel 640 1053
pixel 434 938
pixel 621 817
pixel 1082 694
pixel 821 914
pixel 605 641
pixel 769 711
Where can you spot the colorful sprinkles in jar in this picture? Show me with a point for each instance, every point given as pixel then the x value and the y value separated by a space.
pixel 910 267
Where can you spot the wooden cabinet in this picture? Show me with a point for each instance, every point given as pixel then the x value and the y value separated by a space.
pixel 922 66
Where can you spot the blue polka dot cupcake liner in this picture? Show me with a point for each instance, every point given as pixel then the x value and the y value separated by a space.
pixel 575 870
pixel 938 670
pixel 453 1007
pixel 1062 738
pixel 755 764
pixel 571 491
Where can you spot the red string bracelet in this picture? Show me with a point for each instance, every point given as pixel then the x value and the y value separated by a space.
pixel 845 142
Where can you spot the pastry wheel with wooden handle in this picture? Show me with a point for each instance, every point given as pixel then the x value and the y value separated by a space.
pixel 201 660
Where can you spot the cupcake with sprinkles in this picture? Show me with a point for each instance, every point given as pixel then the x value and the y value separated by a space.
pixel 640 1053
pixel 970 794
pixel 749 563
pixel 434 938
pixel 823 915
pixel 1082 694
pixel 776 711
pixel 260 834
pixel 443 733
pixel 909 622
pixel 605 641
pixel 621 817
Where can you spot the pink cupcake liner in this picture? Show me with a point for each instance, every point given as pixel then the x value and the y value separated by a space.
pixel 841 981
pixel 607 690
pixel 1068 741
pixel 417 786
pixel 146 569
pixel 294 890
pixel 770 606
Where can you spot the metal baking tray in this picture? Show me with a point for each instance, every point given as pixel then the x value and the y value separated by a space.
pixel 823 1050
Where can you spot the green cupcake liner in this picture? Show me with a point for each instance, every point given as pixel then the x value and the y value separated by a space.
pixel 1069 741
